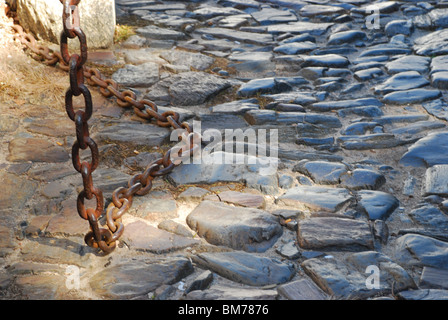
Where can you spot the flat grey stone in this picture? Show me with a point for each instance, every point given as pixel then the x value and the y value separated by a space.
pixel 322 172
pixel 187 88
pixel 143 75
pixel 434 19
pixel 342 37
pixel 395 27
pixel 315 198
pixel 143 237
pixel 219 292
pixel 247 229
pixel 438 108
pixel 235 35
pixel 372 141
pixel 258 117
pixel 429 216
pixel 433 278
pixel 418 128
pixel 409 63
pixel 133 279
pixel 302 289
pixel 362 179
pixel 402 81
pixel 299 27
pixel 424 294
pixel 385 49
pixel 157 33
pixel 207 11
pixel 327 60
pixel 236 107
pixel 311 10
pixel 329 233
pixel 367 74
pixel 256 172
pixel 343 104
pixel 428 151
pixel 377 204
pixel 435 43
pixel 418 250
pixel 268 16
pixel 246 268
pixel 17 193
pixel 194 60
pixel 295 48
pixel 260 86
pixel 35 150
pixel 436 180
pixel 440 80
pixel 348 279
pixel 134 133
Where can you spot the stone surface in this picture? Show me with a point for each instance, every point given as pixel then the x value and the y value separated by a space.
pixel 187 88
pixel 143 237
pixel 134 133
pixel 218 292
pixel 246 268
pixel 256 172
pixel 424 294
pixel 247 229
pixel 316 198
pixel 402 81
pixel 36 150
pixel 418 250
pixel 138 278
pixel 377 204
pixel 327 233
pixel 18 192
pixel 347 279
pixel 427 152
pixel 436 180
pixel 408 63
pixel 143 75
pixel 322 172
pixel 43 18
pixel 432 278
pixel 302 289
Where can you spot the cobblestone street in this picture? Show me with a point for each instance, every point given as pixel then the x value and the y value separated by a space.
pixel 356 208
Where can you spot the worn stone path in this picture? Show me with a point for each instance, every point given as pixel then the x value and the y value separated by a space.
pixel 361 184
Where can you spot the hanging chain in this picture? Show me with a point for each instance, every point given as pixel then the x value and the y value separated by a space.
pixel 139 184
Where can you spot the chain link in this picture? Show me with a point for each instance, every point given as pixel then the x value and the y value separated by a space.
pixel 140 184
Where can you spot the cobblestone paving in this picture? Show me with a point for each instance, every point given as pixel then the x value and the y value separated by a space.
pixel 357 208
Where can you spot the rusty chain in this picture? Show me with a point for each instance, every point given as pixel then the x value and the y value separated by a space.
pixel 140 184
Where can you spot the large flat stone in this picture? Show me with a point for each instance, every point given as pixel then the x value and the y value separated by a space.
pixel 246 268
pixel 143 237
pixel 187 88
pixel 133 133
pixel 316 198
pixel 43 18
pixel 418 250
pixel 36 150
pixel 348 279
pixel 235 35
pixel 220 292
pixel 326 233
pixel 247 229
pixel 255 172
pixel 137 278
pixel 428 151
pixel 377 204
pixel 436 181
pixel 17 191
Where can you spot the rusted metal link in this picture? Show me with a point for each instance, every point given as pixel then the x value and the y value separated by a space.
pixel 140 184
